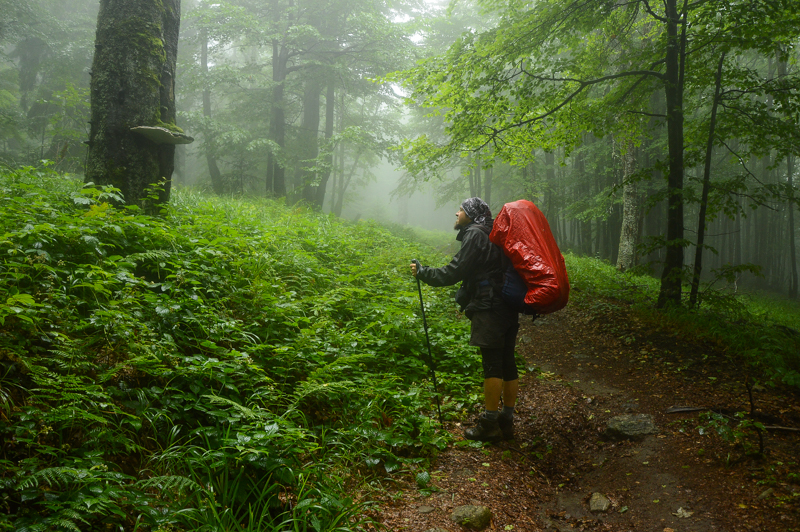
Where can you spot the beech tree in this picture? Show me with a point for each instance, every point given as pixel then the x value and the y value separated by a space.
pixel 133 132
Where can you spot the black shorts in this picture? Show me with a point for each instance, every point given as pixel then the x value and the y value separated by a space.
pixel 490 328
pixel 495 332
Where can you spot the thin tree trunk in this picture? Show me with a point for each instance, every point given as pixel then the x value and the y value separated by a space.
pixel 472 192
pixel 213 170
pixel 550 179
pixel 276 173
pixel 345 182
pixel 319 197
pixel 309 140
pixel 489 174
pixel 791 235
pixel 477 176
pixel 626 257
pixel 701 219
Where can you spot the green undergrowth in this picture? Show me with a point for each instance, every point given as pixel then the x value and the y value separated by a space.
pixel 229 365
pixel 440 240
pixel 757 332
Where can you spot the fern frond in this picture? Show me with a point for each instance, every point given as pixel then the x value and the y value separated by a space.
pixel 149 256
pixel 324 390
pixel 246 412
pixel 65 524
pixel 339 365
pixel 173 483
pixel 53 476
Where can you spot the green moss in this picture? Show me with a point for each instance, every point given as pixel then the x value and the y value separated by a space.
pixel 145 38
pixel 167 125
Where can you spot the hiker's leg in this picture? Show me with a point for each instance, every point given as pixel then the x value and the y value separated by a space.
pixel 492 377
pixel 510 373
pixel 492 389
pixel 510 391
pixel 487 427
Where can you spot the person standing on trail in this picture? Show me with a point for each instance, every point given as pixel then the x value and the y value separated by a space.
pixel 479 265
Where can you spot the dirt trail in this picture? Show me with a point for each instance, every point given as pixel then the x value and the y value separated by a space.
pixel 583 370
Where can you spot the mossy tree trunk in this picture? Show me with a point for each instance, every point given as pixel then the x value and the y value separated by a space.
pixel 133 84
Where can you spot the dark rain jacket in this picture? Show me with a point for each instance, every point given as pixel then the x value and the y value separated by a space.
pixel 479 265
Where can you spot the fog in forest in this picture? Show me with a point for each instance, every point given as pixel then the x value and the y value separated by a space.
pixel 673 156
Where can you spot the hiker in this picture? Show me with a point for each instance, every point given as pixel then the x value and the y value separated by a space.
pixel 479 265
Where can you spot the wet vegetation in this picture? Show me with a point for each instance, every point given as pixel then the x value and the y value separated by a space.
pixel 241 362
pixel 238 345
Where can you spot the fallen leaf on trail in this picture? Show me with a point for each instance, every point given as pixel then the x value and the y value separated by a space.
pixel 682 513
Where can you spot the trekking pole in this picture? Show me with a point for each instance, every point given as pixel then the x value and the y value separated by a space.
pixel 428 340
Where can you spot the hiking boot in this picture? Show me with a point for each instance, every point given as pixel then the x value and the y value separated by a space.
pixel 506 424
pixel 485 429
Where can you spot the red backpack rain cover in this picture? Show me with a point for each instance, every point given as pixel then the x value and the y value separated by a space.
pixel 522 232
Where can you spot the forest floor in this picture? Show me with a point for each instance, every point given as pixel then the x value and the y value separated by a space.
pixel 583 370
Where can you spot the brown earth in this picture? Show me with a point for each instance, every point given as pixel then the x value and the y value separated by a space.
pixel 585 368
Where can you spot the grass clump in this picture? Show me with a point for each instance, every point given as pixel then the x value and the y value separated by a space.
pixel 227 365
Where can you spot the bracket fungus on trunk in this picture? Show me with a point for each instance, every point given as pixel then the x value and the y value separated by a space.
pixel 162 135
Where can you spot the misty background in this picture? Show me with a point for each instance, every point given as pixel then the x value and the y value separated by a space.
pixel 353 108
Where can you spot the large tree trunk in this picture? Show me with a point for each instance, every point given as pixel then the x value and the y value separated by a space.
pixel 133 86
pixel 672 276
pixel 701 221
pixel 631 207
pixel 213 169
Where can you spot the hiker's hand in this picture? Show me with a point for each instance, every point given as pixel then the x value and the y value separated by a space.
pixel 415 267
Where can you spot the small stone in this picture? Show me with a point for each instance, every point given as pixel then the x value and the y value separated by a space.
pixel 425 509
pixel 437 529
pixel 599 503
pixel 464 473
pixel 631 406
pixel 474 517
pixel 765 494
pixel 630 426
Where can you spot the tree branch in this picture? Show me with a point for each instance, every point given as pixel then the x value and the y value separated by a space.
pixel 583 85
pixel 653 13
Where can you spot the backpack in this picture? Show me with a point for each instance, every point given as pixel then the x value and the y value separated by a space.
pixel 535 280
